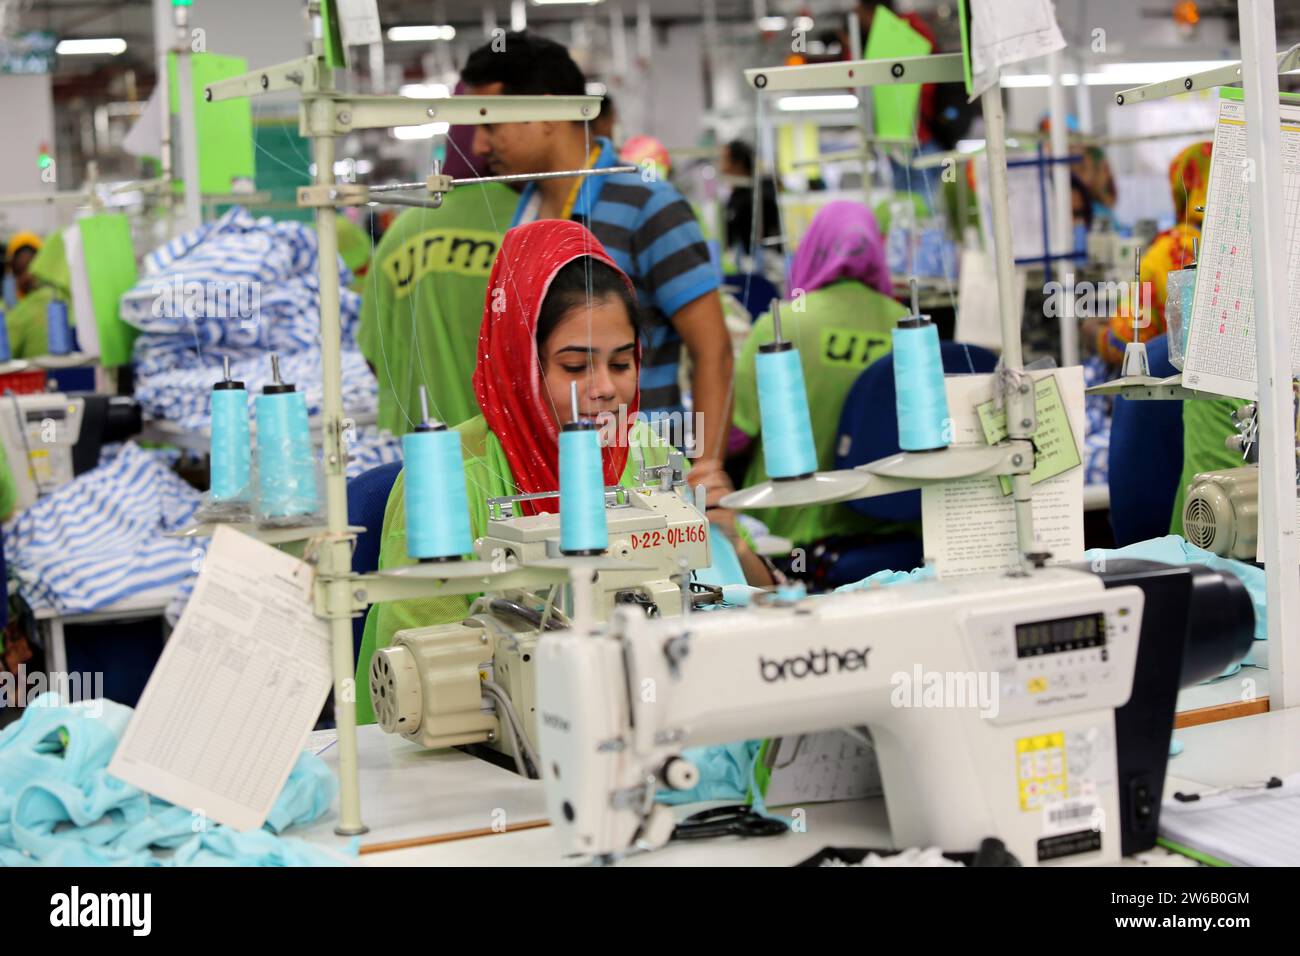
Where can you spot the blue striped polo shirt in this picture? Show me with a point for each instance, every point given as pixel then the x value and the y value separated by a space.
pixel 650 231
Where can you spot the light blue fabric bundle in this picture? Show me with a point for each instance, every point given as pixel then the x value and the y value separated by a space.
pixel 727 770
pixel 59 806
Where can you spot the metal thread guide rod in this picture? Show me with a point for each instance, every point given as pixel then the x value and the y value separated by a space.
pixel 916 295
pixel 1018 395
pixel 509 178
pixel 1136 364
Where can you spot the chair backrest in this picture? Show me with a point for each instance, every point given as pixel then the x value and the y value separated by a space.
pixel 367 498
pixel 869 424
pixel 1146 458
pixel 754 291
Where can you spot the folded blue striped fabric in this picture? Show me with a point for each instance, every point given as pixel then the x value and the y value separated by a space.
pixel 98 540
pixel 184 395
pixel 237 288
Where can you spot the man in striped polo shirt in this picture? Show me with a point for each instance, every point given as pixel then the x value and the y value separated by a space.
pixel 646 226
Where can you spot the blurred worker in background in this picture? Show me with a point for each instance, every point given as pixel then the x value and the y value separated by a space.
pixel 842 319
pixel 737 164
pixel 19 253
pixel 46 280
pixel 1189 178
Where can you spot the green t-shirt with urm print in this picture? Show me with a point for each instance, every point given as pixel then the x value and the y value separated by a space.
pixel 423 303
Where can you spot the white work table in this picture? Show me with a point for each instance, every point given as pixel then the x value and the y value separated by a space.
pixel 412 797
pixel 409 794
pixel 1233 752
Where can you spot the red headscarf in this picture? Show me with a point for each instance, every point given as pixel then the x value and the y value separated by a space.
pixel 508 377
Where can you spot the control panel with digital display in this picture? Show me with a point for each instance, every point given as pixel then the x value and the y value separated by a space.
pixel 1059 635
pixel 1078 658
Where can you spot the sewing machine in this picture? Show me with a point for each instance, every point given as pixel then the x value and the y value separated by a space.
pixel 59 436
pixel 1064 762
pixel 436 685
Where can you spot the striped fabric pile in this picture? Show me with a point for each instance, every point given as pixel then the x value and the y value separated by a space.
pixel 99 539
pixel 241 288
pixel 183 395
pixel 369 449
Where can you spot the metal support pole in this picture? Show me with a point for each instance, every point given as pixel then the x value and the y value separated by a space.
pixel 336 554
pixel 189 121
pixel 1019 401
pixel 1277 466
pixel 1063 234
pixel 864 97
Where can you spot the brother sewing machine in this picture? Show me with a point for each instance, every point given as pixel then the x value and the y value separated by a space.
pixel 1068 768
pixel 455 684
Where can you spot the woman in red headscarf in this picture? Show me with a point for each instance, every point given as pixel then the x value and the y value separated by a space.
pixel 558 312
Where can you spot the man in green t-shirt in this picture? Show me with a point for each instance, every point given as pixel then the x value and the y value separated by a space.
pixel 423 302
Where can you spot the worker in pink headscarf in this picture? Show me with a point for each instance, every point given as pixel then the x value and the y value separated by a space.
pixel 840 315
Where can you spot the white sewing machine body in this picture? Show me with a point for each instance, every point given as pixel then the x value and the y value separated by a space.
pixel 428 685
pixel 1039 771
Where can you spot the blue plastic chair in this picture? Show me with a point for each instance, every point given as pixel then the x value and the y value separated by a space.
pixel 1146 458
pixel 367 498
pixel 868 431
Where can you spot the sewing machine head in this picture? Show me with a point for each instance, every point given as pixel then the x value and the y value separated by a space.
pixel 429 684
pixel 655 528
pixel 1021 741
pixel 60 436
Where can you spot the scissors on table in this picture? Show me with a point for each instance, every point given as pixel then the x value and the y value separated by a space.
pixel 731 820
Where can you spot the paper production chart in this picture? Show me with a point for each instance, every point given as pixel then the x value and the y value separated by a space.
pixel 1221 344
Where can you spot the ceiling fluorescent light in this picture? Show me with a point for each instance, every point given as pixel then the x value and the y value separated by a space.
pixel 425 91
pixel 111 46
pixel 426 131
pixel 409 34
pixel 832 101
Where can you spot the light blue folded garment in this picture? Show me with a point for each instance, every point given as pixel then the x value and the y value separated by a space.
pixel 883 578
pixel 724 770
pixel 59 806
pixel 725 773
